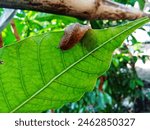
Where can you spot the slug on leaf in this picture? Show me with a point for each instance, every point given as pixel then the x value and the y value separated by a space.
pixel 72 35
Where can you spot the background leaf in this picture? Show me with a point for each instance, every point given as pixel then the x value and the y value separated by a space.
pixel 141 4
pixel 36 75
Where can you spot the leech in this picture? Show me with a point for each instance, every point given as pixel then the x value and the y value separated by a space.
pixel 73 34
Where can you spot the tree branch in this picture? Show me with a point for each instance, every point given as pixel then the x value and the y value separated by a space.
pixel 86 9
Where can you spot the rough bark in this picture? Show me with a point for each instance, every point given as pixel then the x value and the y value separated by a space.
pixel 86 9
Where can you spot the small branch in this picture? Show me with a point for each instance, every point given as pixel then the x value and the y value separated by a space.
pixel 102 80
pixel 86 9
pixel 14 30
pixel 1 41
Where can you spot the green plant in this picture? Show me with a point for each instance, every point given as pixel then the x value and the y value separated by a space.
pixel 119 84
pixel 52 69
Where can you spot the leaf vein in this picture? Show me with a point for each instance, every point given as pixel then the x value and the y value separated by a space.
pixel 20 71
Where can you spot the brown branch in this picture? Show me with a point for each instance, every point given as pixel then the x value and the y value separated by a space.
pixel 91 9
pixel 14 30
pixel 102 80
pixel 1 41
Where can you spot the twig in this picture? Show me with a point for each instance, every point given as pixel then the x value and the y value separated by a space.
pixel 14 30
pixel 102 80
pixel 1 41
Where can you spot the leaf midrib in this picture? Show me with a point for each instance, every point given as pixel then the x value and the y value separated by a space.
pixel 69 67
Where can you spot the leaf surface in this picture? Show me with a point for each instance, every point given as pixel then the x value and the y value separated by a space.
pixel 35 75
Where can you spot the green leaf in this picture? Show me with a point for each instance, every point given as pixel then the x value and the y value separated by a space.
pixel 141 4
pixel 132 84
pixel 107 98
pixel 8 32
pixel 139 82
pixel 35 75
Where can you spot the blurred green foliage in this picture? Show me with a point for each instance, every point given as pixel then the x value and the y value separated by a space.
pixel 119 89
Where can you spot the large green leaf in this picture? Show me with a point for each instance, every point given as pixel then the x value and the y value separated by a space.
pixel 36 75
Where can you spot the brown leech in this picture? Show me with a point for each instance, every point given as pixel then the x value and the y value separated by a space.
pixel 73 34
